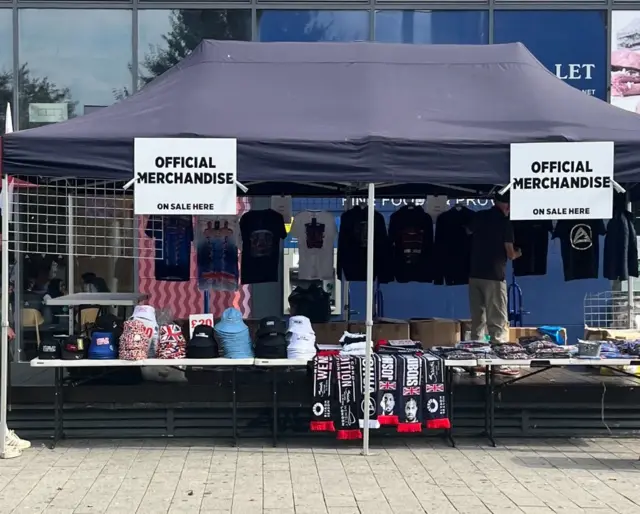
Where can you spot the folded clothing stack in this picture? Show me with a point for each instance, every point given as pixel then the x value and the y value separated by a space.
pixel 301 338
pixel 478 348
pixel 354 344
pixel 510 351
pixel 399 346
pixel 271 342
pixel 555 352
pixel 452 353
pixel 532 346
pixel 629 347
pixel 233 335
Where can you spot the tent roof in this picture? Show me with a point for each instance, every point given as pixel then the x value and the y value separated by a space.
pixel 340 112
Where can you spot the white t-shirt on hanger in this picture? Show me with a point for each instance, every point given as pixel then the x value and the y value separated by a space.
pixel 316 232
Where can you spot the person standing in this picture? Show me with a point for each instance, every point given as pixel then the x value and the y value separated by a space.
pixel 491 246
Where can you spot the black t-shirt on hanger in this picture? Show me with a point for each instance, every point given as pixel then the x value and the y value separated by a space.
pixel 411 239
pixel 262 232
pixel 532 237
pixel 580 247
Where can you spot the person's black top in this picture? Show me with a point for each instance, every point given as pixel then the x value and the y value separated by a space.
pixel 580 247
pixel 352 246
pixel 620 258
pixel 491 229
pixel 452 247
pixel 262 231
pixel 411 239
pixel 532 237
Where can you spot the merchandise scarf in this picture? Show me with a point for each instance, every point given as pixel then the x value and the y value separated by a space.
pixel 321 414
pixel 436 412
pixel 410 404
pixel 371 383
pixel 345 370
pixel 387 397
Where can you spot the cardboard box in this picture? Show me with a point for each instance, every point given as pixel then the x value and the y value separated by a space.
pixel 516 333
pixel 435 331
pixel 602 334
pixel 383 329
pixel 331 332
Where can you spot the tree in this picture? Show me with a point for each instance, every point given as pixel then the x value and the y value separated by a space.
pixel 188 28
pixel 32 90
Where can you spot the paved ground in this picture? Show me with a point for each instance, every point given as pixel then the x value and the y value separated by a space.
pixel 407 477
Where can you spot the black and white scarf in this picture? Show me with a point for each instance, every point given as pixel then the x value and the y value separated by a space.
pixel 321 412
pixel 372 384
pixel 347 419
pixel 410 404
pixel 435 409
pixel 387 397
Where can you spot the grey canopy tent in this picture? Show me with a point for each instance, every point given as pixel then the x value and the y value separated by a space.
pixel 340 113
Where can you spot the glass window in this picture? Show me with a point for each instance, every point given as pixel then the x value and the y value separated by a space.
pixel 72 61
pixel 432 27
pixel 625 60
pixel 312 26
pixel 166 36
pixel 6 64
pixel 573 44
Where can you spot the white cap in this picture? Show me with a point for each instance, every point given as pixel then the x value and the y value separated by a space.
pixel 300 325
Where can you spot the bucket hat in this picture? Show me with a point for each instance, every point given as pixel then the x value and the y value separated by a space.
pixel 231 322
pixel 300 325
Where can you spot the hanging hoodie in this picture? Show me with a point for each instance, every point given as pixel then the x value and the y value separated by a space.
pixel 352 246
pixel 620 259
pixel 411 239
pixel 452 249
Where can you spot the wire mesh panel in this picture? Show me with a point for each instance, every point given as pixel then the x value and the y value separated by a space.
pixel 80 217
pixel 610 309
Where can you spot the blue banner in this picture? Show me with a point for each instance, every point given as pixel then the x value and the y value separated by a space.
pixel 571 44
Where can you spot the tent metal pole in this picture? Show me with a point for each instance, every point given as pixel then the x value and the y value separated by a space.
pixel 369 313
pixel 4 343
pixel 346 305
pixel 630 285
pixel 71 261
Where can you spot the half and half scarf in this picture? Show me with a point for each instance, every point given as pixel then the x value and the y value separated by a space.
pixel 321 412
pixel 347 419
pixel 387 397
pixel 436 412
pixel 410 404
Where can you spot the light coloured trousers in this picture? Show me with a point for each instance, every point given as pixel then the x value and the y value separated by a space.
pixel 488 304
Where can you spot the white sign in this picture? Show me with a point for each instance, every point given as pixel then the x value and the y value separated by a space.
pixel 185 176
pixel 48 113
pixel 199 319
pixel 561 181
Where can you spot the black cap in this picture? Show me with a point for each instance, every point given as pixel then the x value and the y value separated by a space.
pixel 271 347
pixel 49 349
pixel 271 325
pixel 202 344
pixel 75 348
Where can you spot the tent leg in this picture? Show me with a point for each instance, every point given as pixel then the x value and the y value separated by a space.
pixel 630 286
pixel 4 342
pixel 369 311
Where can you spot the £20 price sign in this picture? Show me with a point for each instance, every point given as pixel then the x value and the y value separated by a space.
pixel 199 319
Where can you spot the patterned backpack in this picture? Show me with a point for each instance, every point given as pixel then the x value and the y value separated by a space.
pixel 134 341
pixel 171 344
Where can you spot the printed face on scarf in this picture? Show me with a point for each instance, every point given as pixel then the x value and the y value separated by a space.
pixel 411 410
pixel 387 403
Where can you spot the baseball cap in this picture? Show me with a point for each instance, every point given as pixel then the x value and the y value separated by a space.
pixel 202 344
pixel 50 349
pixel 74 348
pixel 102 346
pixel 300 325
pixel 271 325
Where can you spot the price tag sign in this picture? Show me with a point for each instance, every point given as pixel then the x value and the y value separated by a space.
pixel 199 319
